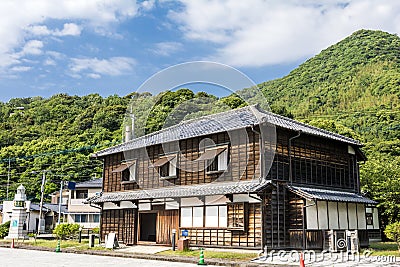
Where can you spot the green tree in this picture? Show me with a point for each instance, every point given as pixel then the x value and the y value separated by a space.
pixel 392 231
pixel 66 230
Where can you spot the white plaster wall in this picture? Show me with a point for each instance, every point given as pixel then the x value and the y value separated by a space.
pixel 333 215
pixel 352 215
pixel 375 218
pixel 362 223
pixel 191 201
pixel 311 213
pixel 245 198
pixel 322 215
pixel 174 205
pixel 216 200
pixel 342 215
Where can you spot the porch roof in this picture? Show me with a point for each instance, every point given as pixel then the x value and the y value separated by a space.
pixel 217 188
pixel 329 195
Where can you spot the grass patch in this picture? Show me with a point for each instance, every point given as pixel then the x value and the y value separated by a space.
pixel 384 249
pixel 211 254
pixel 84 245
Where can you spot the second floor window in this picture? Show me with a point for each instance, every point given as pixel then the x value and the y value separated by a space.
pixel 127 170
pixel 129 174
pixel 216 158
pixel 81 194
pixel 167 166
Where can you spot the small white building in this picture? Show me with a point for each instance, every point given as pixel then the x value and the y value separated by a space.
pixel 49 211
pixel 78 211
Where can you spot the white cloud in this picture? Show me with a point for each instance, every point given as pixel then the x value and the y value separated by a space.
pixel 49 62
pixel 32 47
pixel 18 16
pixel 93 66
pixel 68 29
pixel 94 75
pixel 257 32
pixel 147 5
pixel 166 48
pixel 20 68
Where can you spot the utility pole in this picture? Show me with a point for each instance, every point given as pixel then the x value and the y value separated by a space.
pixel 60 202
pixel 8 174
pixel 41 200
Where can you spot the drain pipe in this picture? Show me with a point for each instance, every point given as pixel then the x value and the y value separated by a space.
pixel 290 156
pixel 260 140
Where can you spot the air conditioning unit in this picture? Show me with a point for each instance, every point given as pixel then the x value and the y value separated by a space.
pixel 343 240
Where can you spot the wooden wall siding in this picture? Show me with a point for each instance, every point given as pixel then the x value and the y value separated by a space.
pixel 166 221
pixel 295 212
pixel 243 163
pixel 315 161
pixel 315 239
pixel 122 222
pixel 218 237
pixel 275 210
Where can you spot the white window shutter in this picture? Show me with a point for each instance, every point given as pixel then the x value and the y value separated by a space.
pixel 223 160
pixel 172 167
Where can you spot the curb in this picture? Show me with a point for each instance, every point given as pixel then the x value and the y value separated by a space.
pixel 215 262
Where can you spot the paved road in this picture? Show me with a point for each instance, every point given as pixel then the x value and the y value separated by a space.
pixel 33 258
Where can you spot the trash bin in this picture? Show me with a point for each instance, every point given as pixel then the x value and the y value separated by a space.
pixel 183 244
pixel 91 240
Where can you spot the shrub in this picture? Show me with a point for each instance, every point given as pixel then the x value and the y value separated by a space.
pixel 392 231
pixel 4 229
pixel 66 230
pixel 96 230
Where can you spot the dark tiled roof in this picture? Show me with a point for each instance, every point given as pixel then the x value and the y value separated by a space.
pixel 94 183
pixel 221 122
pixel 48 207
pixel 218 188
pixel 54 207
pixel 330 195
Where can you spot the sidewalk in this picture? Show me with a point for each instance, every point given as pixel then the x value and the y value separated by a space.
pixel 137 252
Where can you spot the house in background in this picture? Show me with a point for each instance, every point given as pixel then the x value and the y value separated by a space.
pixel 55 197
pixel 79 211
pixel 49 213
pixel 245 178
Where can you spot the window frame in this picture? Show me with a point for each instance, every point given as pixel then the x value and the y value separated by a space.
pixel 214 165
pixel 237 216
pixel 169 169
pixel 80 218
pixel 78 192
pixel 369 218
pixel 202 223
pixel 126 175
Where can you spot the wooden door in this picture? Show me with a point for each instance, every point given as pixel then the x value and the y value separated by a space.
pixel 128 226
pixel 166 221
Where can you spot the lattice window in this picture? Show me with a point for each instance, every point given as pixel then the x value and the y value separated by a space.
pixel 237 216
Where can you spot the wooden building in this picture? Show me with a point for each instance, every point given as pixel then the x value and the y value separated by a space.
pixel 244 178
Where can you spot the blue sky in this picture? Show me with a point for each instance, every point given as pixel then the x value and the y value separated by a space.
pixel 113 46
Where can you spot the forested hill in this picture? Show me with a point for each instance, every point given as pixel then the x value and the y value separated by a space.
pixel 59 133
pixel 351 88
